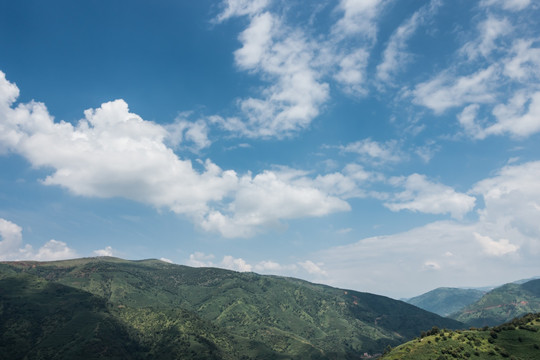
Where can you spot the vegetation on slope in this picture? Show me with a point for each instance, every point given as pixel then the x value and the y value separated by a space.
pixel 502 304
pixel 517 340
pixel 445 301
pixel 234 315
pixel 44 320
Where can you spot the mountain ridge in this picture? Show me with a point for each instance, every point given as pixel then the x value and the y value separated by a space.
pixel 260 316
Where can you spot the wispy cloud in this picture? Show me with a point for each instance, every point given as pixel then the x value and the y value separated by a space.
pixel 512 5
pixel 395 56
pixel 374 152
pixel 448 90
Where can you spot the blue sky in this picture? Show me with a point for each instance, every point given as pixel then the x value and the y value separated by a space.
pixel 378 145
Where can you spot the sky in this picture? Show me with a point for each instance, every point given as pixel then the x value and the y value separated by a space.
pixel 384 146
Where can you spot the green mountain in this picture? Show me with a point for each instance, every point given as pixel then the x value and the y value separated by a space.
pixel 518 340
pixel 151 309
pixel 445 301
pixel 502 304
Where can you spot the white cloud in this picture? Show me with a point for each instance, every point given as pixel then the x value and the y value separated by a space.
pixel 359 18
pixel 199 259
pixel 422 195
pixel 183 131
pixel 395 55
pixel 115 153
pixel 11 246
pixel 523 63
pixel 352 72
pixel 467 119
pixel 520 117
pixel 263 200
pixel 236 264
pixel 268 266
pixel 233 8
pixel 489 30
pixel 512 5
pixel 107 251
pixel 511 210
pixel 502 243
pixel 54 250
pixel 495 248
pixel 11 235
pixel 447 90
pixel 284 58
pixel 166 260
pixel 312 268
pixel 373 151
pixel 256 40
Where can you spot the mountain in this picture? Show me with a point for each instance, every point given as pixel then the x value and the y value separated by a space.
pixel 502 304
pixel 518 339
pixel 152 309
pixel 445 301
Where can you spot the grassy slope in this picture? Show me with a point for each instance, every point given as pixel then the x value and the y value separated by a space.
pixel 502 304
pixel 40 319
pixel 290 316
pixel 519 339
pixel 446 301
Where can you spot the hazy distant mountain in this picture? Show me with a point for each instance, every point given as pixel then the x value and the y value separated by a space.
pixel 445 301
pixel 150 309
pixel 502 304
pixel 518 339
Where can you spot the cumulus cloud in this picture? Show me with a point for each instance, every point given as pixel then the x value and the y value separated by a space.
pixel 300 268
pixel 263 200
pixel 199 259
pixel 285 58
pixel 297 67
pixel 54 250
pixel 107 251
pixel 11 246
pixel 236 264
pixel 192 135
pixel 511 209
pixel 495 248
pixel 422 195
pixel 113 152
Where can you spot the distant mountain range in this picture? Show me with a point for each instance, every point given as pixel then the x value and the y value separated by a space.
pixel 479 308
pixel 445 301
pixel 502 304
pixel 118 309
